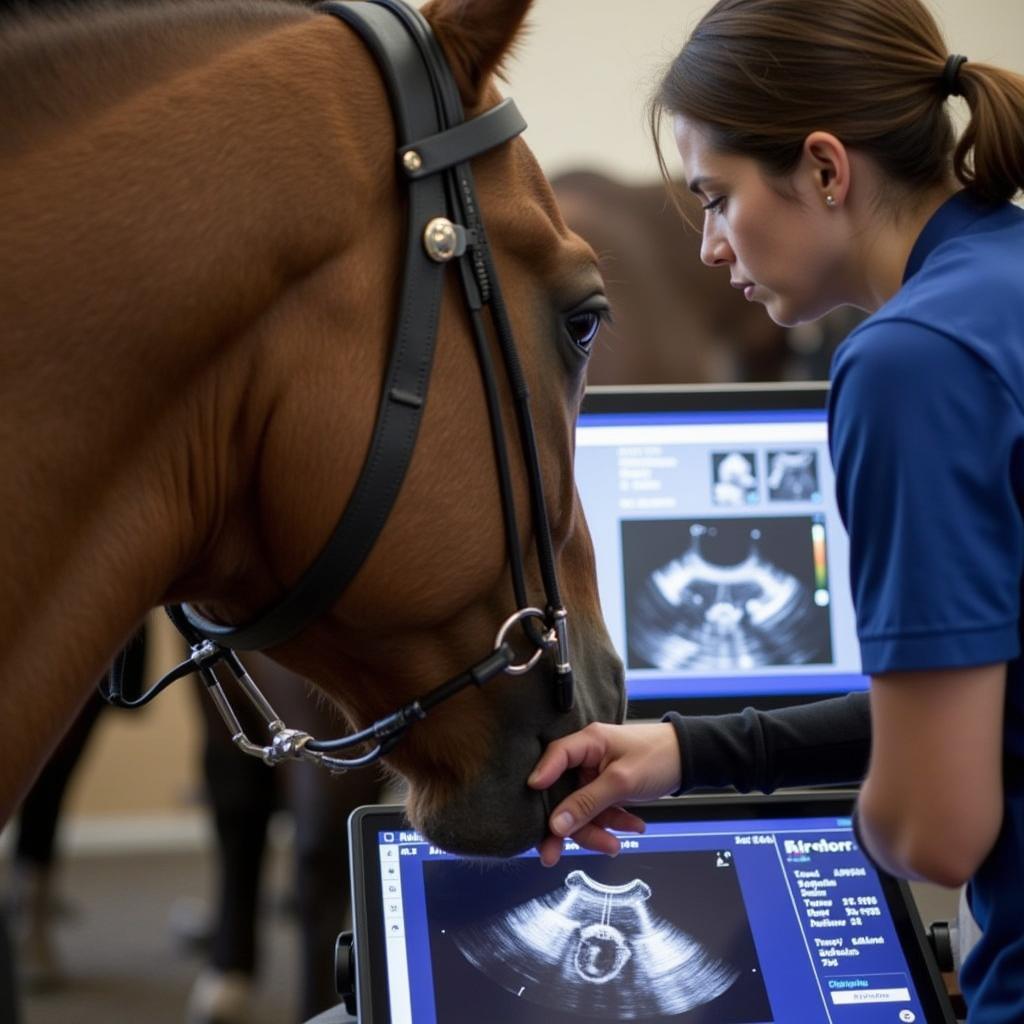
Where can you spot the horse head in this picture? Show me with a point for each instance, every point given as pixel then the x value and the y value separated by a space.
pixel 435 587
pixel 205 226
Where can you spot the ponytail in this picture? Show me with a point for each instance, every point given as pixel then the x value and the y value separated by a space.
pixel 989 158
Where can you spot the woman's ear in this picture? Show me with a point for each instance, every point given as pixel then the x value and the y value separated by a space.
pixel 476 35
pixel 828 161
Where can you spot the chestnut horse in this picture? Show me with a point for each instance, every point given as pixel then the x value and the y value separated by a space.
pixel 202 232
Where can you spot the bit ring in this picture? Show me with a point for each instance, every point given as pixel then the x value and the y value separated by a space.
pixel 513 619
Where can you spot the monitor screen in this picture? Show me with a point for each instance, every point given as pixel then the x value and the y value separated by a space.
pixel 721 558
pixel 725 911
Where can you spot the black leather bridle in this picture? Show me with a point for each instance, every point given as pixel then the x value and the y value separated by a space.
pixel 435 145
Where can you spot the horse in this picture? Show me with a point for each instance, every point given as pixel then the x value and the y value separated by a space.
pixel 203 218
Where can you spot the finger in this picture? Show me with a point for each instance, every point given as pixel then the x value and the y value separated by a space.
pixel 586 803
pixel 576 750
pixel 550 849
pixel 621 820
pixel 593 837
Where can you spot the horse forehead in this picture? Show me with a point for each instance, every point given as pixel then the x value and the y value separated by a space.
pixel 524 219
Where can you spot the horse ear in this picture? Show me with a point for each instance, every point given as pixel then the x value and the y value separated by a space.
pixel 477 35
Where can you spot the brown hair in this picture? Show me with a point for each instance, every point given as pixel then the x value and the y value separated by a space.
pixel 761 75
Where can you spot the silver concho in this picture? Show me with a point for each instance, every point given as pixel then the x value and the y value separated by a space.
pixel 441 240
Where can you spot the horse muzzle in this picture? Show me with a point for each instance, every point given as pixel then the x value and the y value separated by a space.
pixel 492 812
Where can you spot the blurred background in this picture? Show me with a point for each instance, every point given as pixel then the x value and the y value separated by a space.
pixel 116 893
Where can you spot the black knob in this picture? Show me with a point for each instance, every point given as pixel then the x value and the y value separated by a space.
pixel 942 945
pixel 345 970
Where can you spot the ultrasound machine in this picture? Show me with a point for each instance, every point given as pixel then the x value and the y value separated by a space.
pixel 721 563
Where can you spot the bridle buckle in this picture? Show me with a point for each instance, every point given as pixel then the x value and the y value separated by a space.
pixel 285 745
pixel 444 240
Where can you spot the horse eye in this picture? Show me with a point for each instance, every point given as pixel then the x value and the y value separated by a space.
pixel 583 327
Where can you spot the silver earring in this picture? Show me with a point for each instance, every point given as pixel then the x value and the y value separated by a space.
pixel 830 200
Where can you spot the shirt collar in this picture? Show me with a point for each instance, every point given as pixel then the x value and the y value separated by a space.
pixel 952 218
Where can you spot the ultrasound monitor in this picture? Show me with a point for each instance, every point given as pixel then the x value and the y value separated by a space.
pixel 727 910
pixel 721 558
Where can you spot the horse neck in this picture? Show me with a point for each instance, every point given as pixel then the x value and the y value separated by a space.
pixel 61 65
pixel 137 273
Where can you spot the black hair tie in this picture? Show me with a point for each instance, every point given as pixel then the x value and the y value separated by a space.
pixel 951 75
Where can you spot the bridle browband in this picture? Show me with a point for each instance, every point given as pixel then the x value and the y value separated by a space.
pixel 435 145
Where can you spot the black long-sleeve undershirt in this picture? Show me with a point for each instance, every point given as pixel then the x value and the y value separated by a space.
pixel 820 744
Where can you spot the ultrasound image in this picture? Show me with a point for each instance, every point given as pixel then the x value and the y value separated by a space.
pixel 586 949
pixel 722 595
pixel 793 475
pixel 734 479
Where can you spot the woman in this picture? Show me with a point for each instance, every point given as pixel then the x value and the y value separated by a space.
pixel 818 138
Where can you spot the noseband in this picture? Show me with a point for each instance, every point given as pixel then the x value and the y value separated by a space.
pixel 436 144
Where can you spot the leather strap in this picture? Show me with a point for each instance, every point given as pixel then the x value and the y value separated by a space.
pixel 465 141
pixel 404 394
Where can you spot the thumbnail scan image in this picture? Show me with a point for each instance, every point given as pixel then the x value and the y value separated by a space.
pixel 724 595
pixel 793 475
pixel 734 478
pixel 578 948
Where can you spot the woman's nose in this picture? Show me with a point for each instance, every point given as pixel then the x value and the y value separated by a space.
pixel 714 249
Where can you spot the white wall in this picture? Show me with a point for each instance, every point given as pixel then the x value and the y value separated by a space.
pixel 584 72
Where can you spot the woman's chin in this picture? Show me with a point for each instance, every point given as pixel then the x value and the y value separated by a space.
pixel 780 311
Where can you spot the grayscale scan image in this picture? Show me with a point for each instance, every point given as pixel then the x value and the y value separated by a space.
pixel 734 478
pixel 723 594
pixel 793 475
pixel 596 948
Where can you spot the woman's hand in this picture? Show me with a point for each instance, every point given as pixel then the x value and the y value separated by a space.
pixel 617 764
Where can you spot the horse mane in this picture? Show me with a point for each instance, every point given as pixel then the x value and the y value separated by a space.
pixel 60 62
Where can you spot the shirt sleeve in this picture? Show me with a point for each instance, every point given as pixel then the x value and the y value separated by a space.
pixel 925 441
pixel 819 744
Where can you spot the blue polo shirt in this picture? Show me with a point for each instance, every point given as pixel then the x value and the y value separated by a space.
pixel 926 427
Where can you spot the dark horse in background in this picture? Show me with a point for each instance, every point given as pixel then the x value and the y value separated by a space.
pixel 201 231
pixel 676 320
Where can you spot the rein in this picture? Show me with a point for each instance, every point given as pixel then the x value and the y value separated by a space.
pixel 436 144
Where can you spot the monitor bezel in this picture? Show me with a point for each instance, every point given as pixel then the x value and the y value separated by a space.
pixel 651 398
pixel 710 398
pixel 368 917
